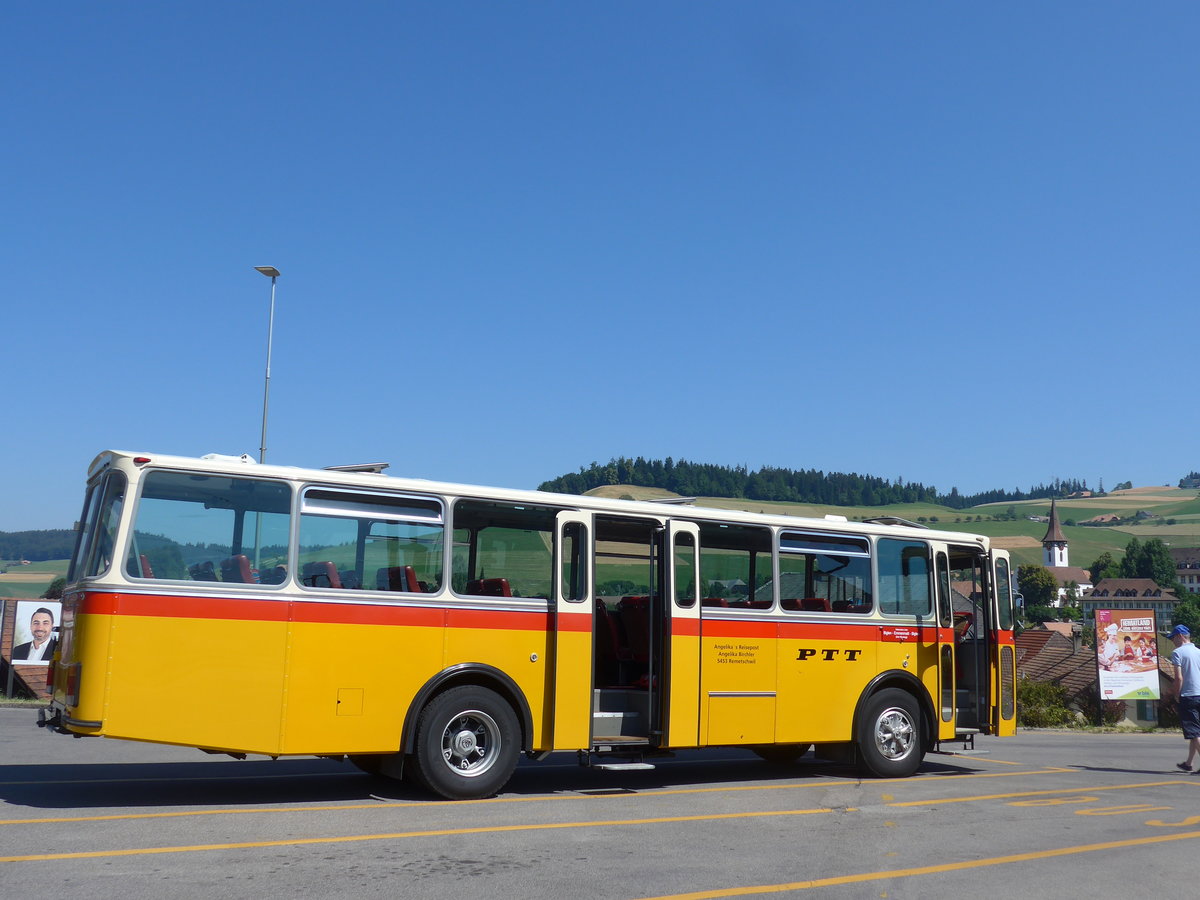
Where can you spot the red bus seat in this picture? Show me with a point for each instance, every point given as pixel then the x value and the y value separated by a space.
pixel 489 587
pixel 398 578
pixel 236 569
pixel 321 574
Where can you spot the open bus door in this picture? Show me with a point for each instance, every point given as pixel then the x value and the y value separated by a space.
pixel 946 640
pixel 574 616
pixel 965 641
pixel 1003 649
pixel 681 665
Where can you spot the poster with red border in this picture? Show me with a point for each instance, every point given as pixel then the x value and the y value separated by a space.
pixel 1127 654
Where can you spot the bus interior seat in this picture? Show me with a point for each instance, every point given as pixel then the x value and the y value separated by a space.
pixel 397 578
pixel 273 575
pixel 609 652
pixel 489 587
pixel 350 580
pixel 634 614
pixel 203 571
pixel 809 604
pixel 147 571
pixel 321 574
pixel 236 569
pixel 714 601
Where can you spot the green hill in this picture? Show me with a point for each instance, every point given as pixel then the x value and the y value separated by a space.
pixel 1175 518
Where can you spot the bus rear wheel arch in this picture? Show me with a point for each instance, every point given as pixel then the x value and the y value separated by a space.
pixel 891 735
pixel 467 743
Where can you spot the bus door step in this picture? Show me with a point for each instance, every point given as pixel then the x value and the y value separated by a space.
pixel 626 766
pixel 965 736
pixel 617 755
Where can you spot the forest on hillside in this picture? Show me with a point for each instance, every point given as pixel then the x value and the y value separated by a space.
pixel 789 485
pixel 37 546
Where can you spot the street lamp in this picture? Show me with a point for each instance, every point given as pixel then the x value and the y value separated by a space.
pixel 272 273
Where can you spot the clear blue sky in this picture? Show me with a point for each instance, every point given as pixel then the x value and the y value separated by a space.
pixel 953 243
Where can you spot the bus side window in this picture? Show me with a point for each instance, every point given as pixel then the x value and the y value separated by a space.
pixel 370 541
pixel 503 549
pixel 824 573
pixel 904 578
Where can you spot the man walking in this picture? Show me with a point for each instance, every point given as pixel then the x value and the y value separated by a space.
pixel 1186 660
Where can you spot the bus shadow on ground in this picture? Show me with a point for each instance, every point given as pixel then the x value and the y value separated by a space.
pixel 200 783
pixel 230 783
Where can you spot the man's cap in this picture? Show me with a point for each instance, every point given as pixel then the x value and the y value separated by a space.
pixel 1181 630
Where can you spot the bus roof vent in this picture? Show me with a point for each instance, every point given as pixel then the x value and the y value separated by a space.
pixel 367 468
pixel 224 457
pixel 831 518
pixel 894 520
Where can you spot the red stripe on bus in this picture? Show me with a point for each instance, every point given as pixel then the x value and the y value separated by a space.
pixel 728 628
pixel 508 620
pixel 176 606
pixel 581 622
pixel 685 627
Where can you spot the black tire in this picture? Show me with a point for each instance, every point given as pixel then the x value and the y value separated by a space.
pixel 467 743
pixel 781 754
pixel 889 735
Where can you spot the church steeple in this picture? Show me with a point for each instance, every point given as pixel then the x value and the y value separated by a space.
pixel 1054 544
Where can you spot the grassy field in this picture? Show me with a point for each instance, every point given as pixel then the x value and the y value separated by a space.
pixel 30 582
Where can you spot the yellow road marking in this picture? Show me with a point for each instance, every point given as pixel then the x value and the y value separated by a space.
pixel 1073 790
pixel 496 829
pixel 860 878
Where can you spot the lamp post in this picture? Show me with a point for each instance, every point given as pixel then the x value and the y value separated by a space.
pixel 272 273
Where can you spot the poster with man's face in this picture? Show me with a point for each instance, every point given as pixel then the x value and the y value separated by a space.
pixel 35 632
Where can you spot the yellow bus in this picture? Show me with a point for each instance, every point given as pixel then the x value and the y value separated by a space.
pixel 436 631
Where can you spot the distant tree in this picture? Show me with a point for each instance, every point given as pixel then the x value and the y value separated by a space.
pixel 56 588
pixel 1104 567
pixel 1150 560
pixel 1188 613
pixel 1040 614
pixel 1037 585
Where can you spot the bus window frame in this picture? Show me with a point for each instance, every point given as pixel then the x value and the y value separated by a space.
pixel 830 544
pixel 930 613
pixel 96 525
pixel 238 532
pixel 431 501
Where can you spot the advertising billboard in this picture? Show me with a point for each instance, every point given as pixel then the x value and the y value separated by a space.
pixel 1127 654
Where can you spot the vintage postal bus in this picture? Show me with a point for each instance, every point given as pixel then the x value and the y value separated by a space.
pixel 437 631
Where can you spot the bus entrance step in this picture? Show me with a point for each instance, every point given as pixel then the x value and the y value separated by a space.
pixel 621 766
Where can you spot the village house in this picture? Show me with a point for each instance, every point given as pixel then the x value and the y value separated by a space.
pixel 1187 567
pixel 1130 593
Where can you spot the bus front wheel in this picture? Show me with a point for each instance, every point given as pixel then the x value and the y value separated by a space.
pixel 889 735
pixel 467 743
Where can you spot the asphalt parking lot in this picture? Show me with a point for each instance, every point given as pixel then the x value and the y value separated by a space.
pixel 1044 814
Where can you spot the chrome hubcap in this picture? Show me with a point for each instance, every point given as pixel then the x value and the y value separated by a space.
pixel 894 733
pixel 469 743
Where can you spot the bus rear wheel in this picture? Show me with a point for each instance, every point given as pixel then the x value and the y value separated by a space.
pixel 889 735
pixel 467 743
